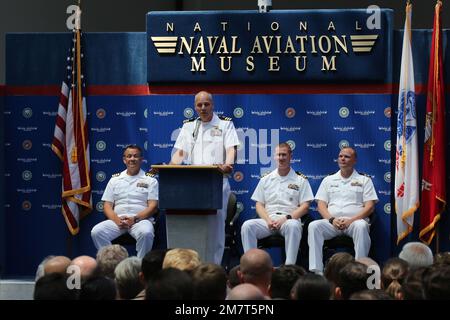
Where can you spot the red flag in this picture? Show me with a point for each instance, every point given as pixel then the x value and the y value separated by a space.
pixel 70 141
pixel 433 180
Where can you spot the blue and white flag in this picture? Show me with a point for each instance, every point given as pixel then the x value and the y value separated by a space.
pixel 406 163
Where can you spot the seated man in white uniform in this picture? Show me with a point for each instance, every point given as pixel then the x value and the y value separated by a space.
pixel 130 199
pixel 209 140
pixel 344 200
pixel 282 198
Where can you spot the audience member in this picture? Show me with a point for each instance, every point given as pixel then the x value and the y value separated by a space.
pixel 417 255
pixel 170 284
pixel 108 258
pixel 311 287
pixel 210 282
pixel 57 264
pixel 372 294
pixel 127 278
pixel 352 278
pixel 334 265
pixel 233 277
pixel 182 259
pixel 256 267
pixel 246 291
pixel 53 286
pixel 87 265
pixel 98 288
pixel 394 273
pixel 283 279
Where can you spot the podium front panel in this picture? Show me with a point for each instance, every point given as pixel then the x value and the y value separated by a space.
pixel 190 189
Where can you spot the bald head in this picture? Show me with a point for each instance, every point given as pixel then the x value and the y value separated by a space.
pixel 86 264
pixel 256 261
pixel 245 291
pixel 57 264
pixel 256 268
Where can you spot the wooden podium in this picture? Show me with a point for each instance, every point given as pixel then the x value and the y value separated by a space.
pixel 188 194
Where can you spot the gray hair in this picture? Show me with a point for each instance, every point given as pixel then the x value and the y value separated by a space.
pixel 127 278
pixel 416 254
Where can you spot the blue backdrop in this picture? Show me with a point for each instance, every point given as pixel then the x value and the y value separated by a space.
pixel 316 124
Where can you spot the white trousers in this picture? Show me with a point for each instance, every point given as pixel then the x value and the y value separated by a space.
pixel 291 230
pixel 143 231
pixel 216 229
pixel 321 230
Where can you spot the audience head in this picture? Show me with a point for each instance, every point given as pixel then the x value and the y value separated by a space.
pixel 170 284
pixel 98 288
pixel 40 269
pixel 412 287
pixel 394 273
pixel 127 278
pixel 86 264
pixel 352 278
pixel 335 264
pixel 436 282
pixel 182 259
pixel 233 277
pixel 372 294
pixel 442 258
pixel 151 264
pixel 256 268
pixel 245 291
pixel 53 286
pixel 109 257
pixel 417 255
pixel 57 264
pixel 311 287
pixel 283 279
pixel 210 282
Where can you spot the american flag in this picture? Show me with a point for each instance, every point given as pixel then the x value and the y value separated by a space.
pixel 70 141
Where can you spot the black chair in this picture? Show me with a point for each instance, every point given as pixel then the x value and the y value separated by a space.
pixel 231 233
pixel 276 240
pixel 345 243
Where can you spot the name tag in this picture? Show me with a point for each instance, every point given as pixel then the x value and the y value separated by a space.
pixel 293 186
pixel 356 183
pixel 216 132
pixel 142 185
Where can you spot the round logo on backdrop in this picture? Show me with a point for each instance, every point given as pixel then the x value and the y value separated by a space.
pixel 27 144
pixel 290 112
pixel 387 112
pixel 344 112
pixel 387 145
pixel 343 144
pixel 238 112
pixel 100 113
pixel 387 177
pixel 145 145
pixel 100 145
pixel 100 176
pixel 27 112
pixel 99 206
pixel 26 205
pixel 145 113
pixel 291 143
pixel 27 175
pixel 387 208
pixel 239 207
pixel 238 176
pixel 188 113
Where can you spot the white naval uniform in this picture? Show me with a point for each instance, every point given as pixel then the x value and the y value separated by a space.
pixel 205 143
pixel 281 195
pixel 345 198
pixel 129 195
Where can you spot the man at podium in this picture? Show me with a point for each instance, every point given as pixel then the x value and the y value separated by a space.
pixel 209 139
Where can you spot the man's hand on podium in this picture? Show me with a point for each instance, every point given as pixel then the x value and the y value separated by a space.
pixel 225 168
